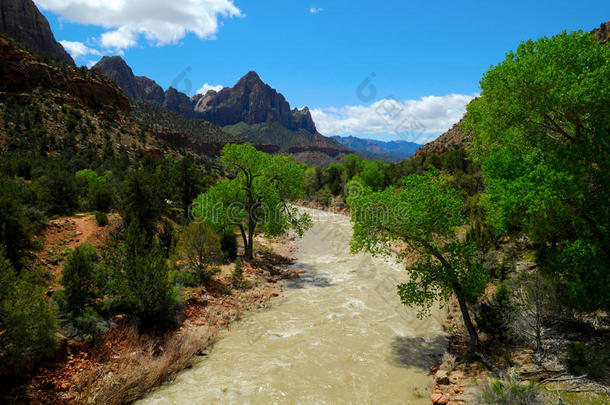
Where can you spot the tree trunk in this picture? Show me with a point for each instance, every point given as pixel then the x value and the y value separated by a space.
pixel 249 248
pixel 247 244
pixel 472 332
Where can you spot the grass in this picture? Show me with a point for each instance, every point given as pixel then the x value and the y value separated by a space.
pixel 139 363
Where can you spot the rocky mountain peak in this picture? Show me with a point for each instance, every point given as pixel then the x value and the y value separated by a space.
pixel 21 20
pixel 136 87
pixel 251 101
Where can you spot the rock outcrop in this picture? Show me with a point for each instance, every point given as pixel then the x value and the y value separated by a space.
pixel 602 33
pixel 178 102
pixel 22 21
pixel 19 71
pixel 253 102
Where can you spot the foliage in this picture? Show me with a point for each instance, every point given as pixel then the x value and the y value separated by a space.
pixel 140 200
pixel 583 359
pixel 540 132
pixel 228 245
pixel 78 279
pixel 27 321
pixel 495 314
pixel 509 391
pixel 237 276
pixel 14 226
pixel 255 197
pixel 101 218
pixel 199 246
pixel 424 213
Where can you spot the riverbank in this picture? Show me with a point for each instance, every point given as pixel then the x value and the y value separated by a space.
pixel 126 364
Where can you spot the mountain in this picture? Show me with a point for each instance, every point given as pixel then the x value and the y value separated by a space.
pixel 21 71
pixel 135 87
pixel 451 140
pixel 21 20
pixel 398 150
pixel 253 102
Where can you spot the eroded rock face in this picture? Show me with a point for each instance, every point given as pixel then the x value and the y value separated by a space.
pixel 253 102
pixel 178 102
pixel 136 87
pixel 22 21
pixel 19 71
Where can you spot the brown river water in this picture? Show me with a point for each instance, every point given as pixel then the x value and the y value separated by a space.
pixel 337 335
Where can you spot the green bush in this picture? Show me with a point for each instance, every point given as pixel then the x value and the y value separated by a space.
pixel 101 218
pixel 199 247
pixel 237 277
pixel 509 391
pixel 79 279
pixel 493 315
pixel 27 321
pixel 228 245
pixel 91 324
pixel 146 290
pixel 583 359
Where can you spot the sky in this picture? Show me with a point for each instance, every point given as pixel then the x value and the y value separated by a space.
pixel 381 70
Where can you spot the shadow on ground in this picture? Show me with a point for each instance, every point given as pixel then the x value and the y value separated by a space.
pixel 417 352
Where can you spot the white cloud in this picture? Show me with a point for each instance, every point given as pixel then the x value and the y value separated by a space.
pixel 418 121
pixel 78 49
pixel 315 10
pixel 159 21
pixel 207 87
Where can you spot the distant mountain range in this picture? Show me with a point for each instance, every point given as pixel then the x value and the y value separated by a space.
pixel 399 150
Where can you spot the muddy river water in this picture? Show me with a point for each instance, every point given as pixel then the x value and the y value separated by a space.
pixel 336 335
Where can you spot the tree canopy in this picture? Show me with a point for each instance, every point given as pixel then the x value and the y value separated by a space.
pixel 541 132
pixel 423 213
pixel 255 196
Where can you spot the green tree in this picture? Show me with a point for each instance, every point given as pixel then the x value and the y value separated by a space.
pixel 540 130
pixel 78 279
pixel 145 288
pixel 141 201
pixel 14 226
pixel 256 196
pixel 199 246
pixel 423 213
pixel 27 322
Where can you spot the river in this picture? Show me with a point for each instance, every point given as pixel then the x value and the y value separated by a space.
pixel 339 334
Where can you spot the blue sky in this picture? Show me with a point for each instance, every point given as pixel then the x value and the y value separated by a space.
pixel 426 57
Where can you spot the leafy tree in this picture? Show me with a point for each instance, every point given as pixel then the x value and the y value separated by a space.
pixel 540 130
pixel 78 279
pixel 199 245
pixel 140 200
pixel 423 213
pixel 256 195
pixel 145 287
pixel 189 181
pixel 27 322
pixel 14 226
pixel 59 191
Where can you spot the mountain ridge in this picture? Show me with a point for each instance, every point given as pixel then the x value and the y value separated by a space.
pixel 22 21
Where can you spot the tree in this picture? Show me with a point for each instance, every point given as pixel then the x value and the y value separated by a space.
pixel 199 245
pixel 14 226
pixel 145 287
pixel 256 196
pixel 141 201
pixel 27 322
pixel 78 279
pixel 540 130
pixel 423 213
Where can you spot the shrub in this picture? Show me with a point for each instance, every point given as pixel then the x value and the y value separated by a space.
pixel 199 246
pixel 27 321
pixel 79 279
pixel 146 290
pixel 228 245
pixel 583 359
pixel 237 277
pixel 509 391
pixel 91 324
pixel 494 315
pixel 101 218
